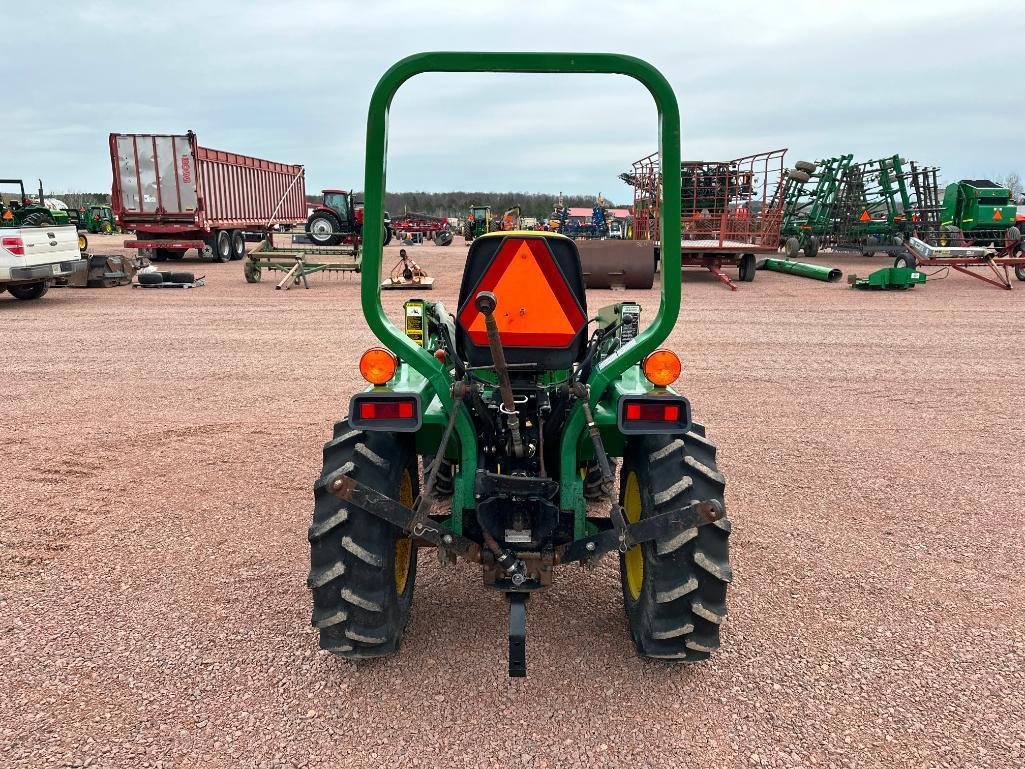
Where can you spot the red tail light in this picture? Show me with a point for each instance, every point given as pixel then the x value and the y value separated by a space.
pixel 386 410
pixel 652 412
pixel 15 245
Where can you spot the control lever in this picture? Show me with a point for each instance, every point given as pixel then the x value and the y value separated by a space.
pixel 486 303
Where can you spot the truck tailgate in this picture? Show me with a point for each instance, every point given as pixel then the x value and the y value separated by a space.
pixel 45 245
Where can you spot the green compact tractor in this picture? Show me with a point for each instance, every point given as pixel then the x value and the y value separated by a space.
pixel 98 219
pixel 483 432
pixel 478 222
pixel 978 212
pixel 24 212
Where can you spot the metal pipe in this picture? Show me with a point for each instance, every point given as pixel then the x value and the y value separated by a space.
pixel 486 302
pixel 803 269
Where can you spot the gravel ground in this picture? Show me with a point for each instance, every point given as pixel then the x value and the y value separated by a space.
pixel 160 448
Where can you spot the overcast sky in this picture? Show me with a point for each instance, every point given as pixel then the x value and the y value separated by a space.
pixel 932 80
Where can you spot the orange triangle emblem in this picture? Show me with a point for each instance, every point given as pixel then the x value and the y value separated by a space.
pixel 865 217
pixel 997 215
pixel 535 307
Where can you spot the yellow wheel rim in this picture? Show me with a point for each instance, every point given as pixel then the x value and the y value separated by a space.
pixel 404 545
pixel 634 558
pixel 81 243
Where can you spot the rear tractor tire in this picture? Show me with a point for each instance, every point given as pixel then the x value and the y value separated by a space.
pixel 674 588
pixel 362 568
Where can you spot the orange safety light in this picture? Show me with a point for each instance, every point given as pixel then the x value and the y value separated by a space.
pixel 662 367
pixel 377 365
pixel 535 305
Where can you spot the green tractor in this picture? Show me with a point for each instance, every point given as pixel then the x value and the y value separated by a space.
pixel 24 212
pixel 98 219
pixel 978 212
pixel 484 432
pixel 478 222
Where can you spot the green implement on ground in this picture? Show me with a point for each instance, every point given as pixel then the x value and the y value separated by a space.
pixel 889 278
pixel 514 409
pixel 814 271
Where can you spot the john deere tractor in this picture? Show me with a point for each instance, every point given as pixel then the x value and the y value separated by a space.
pixel 483 431
pixel 478 222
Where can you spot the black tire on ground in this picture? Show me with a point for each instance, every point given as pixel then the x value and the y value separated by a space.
pixel 1019 273
pixel 150 278
pixel 37 219
pixel 387 236
pixel 443 238
pixel 182 277
pixel 238 245
pixel 595 486
pixel 444 485
pixel 674 588
pixel 29 291
pixel 361 568
pixel 799 176
pixel 324 229
pixel 811 248
pixel 220 242
pixel 252 271
pixel 791 248
pixel 748 268
pixel 804 165
pixel 906 260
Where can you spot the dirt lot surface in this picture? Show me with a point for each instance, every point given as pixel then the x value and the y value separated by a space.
pixel 159 453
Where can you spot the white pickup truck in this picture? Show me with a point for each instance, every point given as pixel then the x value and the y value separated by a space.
pixel 32 257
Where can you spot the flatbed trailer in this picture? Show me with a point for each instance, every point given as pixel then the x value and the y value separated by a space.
pixel 297 261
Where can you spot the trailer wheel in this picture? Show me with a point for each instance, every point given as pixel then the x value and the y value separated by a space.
pixel 1019 272
pixel 748 268
pixel 220 243
pixel 387 236
pixel 674 588
pixel 252 271
pixel 804 165
pixel 906 260
pixel 238 245
pixel 362 568
pixel 811 248
pixel 29 291
pixel 792 247
pixel 324 228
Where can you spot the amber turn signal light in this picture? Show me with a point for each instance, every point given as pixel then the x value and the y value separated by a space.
pixel 377 365
pixel 662 367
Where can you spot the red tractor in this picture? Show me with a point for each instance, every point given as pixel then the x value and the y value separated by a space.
pixel 338 218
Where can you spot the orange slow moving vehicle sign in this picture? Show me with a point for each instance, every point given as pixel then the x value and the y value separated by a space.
pixel 535 306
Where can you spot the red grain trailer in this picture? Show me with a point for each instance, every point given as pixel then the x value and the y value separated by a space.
pixel 177 195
